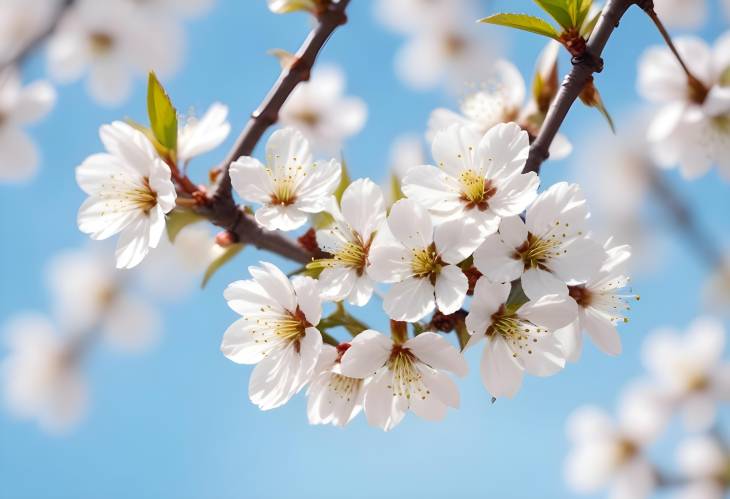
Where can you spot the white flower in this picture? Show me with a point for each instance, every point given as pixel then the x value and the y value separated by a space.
pixel 549 250
pixel 601 305
pixel 21 21
pixel 199 136
pixel 112 41
pixel 412 16
pixel 186 8
pixel 609 453
pixel 516 340
pixel 478 177
pixel 322 113
pixel 690 369
pixel 422 262
pixel 41 375
pixel 686 14
pixel 503 102
pixel 277 331
pixel 348 240
pixel 332 397
pixel 130 192
pixel 90 295
pixel 407 376
pixel 287 6
pixel 291 186
pixel 703 461
pixel 692 129
pixel 20 106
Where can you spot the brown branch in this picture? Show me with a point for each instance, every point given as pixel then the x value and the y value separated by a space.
pixel 221 208
pixel 584 65
pixel 41 37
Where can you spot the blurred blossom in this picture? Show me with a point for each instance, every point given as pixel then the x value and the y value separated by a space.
pixel 406 151
pixel 704 462
pixel 41 374
pixel 89 294
pixel 21 21
pixel 321 111
pixel 20 106
pixel 609 453
pixel 187 8
pixel 692 128
pixel 716 292
pixel 690 370
pixel 198 136
pixel 685 14
pixel 112 41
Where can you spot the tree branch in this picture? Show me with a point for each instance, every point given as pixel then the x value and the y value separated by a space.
pixel 584 65
pixel 36 42
pixel 221 208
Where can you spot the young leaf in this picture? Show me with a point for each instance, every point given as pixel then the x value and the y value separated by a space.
pixel 163 116
pixel 558 10
pixel 523 22
pixel 224 256
pixel 589 24
pixel 178 219
pixel 580 10
pixel 161 150
pixel 592 98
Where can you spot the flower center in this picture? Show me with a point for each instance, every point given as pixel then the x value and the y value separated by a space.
pixel 697 92
pixel 143 197
pixel 626 450
pixel 344 386
pixel 454 44
pixel 535 251
pixel 292 327
pixel 513 329
pixel 308 117
pixel 581 295
pixel 407 379
pixel 101 43
pixel 721 123
pixel 426 263
pixel 476 191
pixel 284 191
pixel 353 254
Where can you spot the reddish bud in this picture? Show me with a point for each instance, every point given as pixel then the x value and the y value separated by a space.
pixel 226 238
pixel 308 241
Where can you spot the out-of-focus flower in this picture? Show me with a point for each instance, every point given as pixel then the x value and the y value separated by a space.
pixel 199 136
pixel 20 106
pixel 348 240
pixel 704 462
pixel 90 295
pixel 610 454
pixel 550 250
pixel 421 262
pixel 478 177
pixel 517 341
pixel 277 331
pixel 130 192
pixel 601 305
pixel 408 375
pixel 287 6
pixel 322 113
pixel 41 375
pixel 692 129
pixel 291 186
pixel 686 14
pixel 406 152
pixel 113 42
pixel 690 369
pixel 166 8
pixel 333 398
pixel 21 21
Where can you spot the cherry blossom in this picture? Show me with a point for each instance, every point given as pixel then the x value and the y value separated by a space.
pixel 421 262
pixel 130 192
pixel 405 376
pixel 332 397
pixel 704 461
pixel 348 240
pixel 20 106
pixel 277 332
pixel 291 186
pixel 199 136
pixel 692 128
pixel 687 14
pixel 517 341
pixel 478 178
pixel 21 21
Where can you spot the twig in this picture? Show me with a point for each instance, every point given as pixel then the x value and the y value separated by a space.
pixel 36 42
pixel 221 208
pixel 584 66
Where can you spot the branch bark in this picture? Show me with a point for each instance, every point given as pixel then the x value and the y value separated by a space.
pixel 221 208
pixel 584 66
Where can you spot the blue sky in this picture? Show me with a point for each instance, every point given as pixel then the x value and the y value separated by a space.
pixel 176 422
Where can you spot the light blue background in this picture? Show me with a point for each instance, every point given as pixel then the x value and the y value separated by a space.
pixel 177 422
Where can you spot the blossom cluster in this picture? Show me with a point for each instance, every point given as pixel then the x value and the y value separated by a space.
pixel 687 376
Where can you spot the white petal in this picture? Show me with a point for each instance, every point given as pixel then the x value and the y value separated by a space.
pixel 278 217
pixel 363 207
pixel 551 312
pixel 307 293
pixel 381 407
pixel 368 352
pixel 250 180
pixel 451 287
pixel 457 239
pixel 410 300
pixel 503 150
pixel 410 224
pixel 501 373
pixel 434 350
pixel 537 283
pixel 276 285
pixel 601 330
pixel 431 188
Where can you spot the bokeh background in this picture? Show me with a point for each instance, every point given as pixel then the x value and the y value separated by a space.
pixel 176 421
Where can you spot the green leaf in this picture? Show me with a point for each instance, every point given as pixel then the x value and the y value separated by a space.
pixel 587 26
pixel 558 10
pixel 523 22
pixel 580 10
pixel 592 98
pixel 395 191
pixel 225 255
pixel 161 150
pixel 178 219
pixel 162 114
pixel 602 108
pixel 725 78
